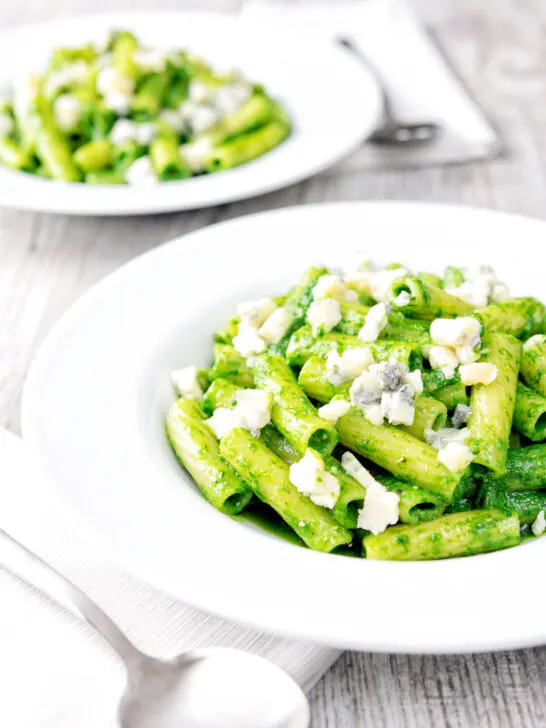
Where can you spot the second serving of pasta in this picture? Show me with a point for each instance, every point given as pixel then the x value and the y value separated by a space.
pixel 376 412
pixel 124 113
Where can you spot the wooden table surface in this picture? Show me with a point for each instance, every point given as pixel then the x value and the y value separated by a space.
pixel 46 262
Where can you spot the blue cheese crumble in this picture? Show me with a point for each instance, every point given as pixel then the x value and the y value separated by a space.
pixel 480 287
pixel 310 478
pixel 376 320
pixel 453 452
pixel 387 391
pixel 324 315
pixel 335 409
pixel 261 322
pixel 186 383
pixel 380 507
pixel 341 368
pixel 252 412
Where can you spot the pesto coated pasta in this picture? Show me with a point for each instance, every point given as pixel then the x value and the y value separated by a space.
pixel 393 415
pixel 122 113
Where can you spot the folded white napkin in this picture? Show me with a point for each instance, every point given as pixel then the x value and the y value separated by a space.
pixel 421 85
pixel 54 672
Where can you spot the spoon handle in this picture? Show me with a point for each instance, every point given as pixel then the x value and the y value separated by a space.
pixel 36 572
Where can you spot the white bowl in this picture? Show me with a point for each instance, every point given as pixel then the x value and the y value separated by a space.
pixel 332 99
pixel 97 395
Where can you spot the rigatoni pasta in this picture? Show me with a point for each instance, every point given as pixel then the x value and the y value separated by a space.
pixel 377 412
pixel 128 114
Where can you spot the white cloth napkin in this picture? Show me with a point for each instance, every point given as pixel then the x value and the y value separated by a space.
pixel 421 85
pixel 53 671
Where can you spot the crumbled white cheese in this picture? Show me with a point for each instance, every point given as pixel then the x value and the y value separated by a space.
pixel 391 374
pixel 462 331
pixel 374 414
pixel 197 153
pixel 329 286
pixel 251 412
pixel 539 524
pixel 224 420
pixel 480 287
pixel 145 133
pixel 310 478
pixel 455 456
pixel 398 407
pixel 199 118
pixel 141 172
pixel 324 315
pixel 256 313
pixel 380 506
pixel 254 406
pixel 149 59
pixel 452 450
pixel 334 410
pixel 386 391
pixel 111 80
pixel 125 130
pixel 173 118
pixel 227 99
pixel 350 296
pixel 67 110
pixel 186 383
pixel 276 326
pixel 248 342
pixel 199 92
pixel 353 467
pixel 376 320
pixel 478 373
pixel 366 390
pixel 441 438
pixel 344 367
pixel 440 357
pixel 402 299
pixel 536 340
pixel 380 510
pixel 6 125
pixel 67 75
pixel 466 354
pixel 415 381
pixel 499 292
pixel 118 102
pixel 461 415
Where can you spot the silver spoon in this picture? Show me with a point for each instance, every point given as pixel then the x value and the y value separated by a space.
pixel 392 130
pixel 208 688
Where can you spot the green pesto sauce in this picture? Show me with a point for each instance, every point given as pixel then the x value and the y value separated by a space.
pixel 265 518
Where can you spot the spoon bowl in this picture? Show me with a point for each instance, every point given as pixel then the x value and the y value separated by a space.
pixel 212 688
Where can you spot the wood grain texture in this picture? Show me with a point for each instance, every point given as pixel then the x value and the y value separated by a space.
pixel 46 262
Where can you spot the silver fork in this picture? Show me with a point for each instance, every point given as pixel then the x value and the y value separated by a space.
pixel 392 129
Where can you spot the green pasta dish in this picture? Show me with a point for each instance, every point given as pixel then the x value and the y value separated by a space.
pixel 127 114
pixel 377 412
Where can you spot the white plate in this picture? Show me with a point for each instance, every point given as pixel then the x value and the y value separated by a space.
pixel 332 99
pixel 96 398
